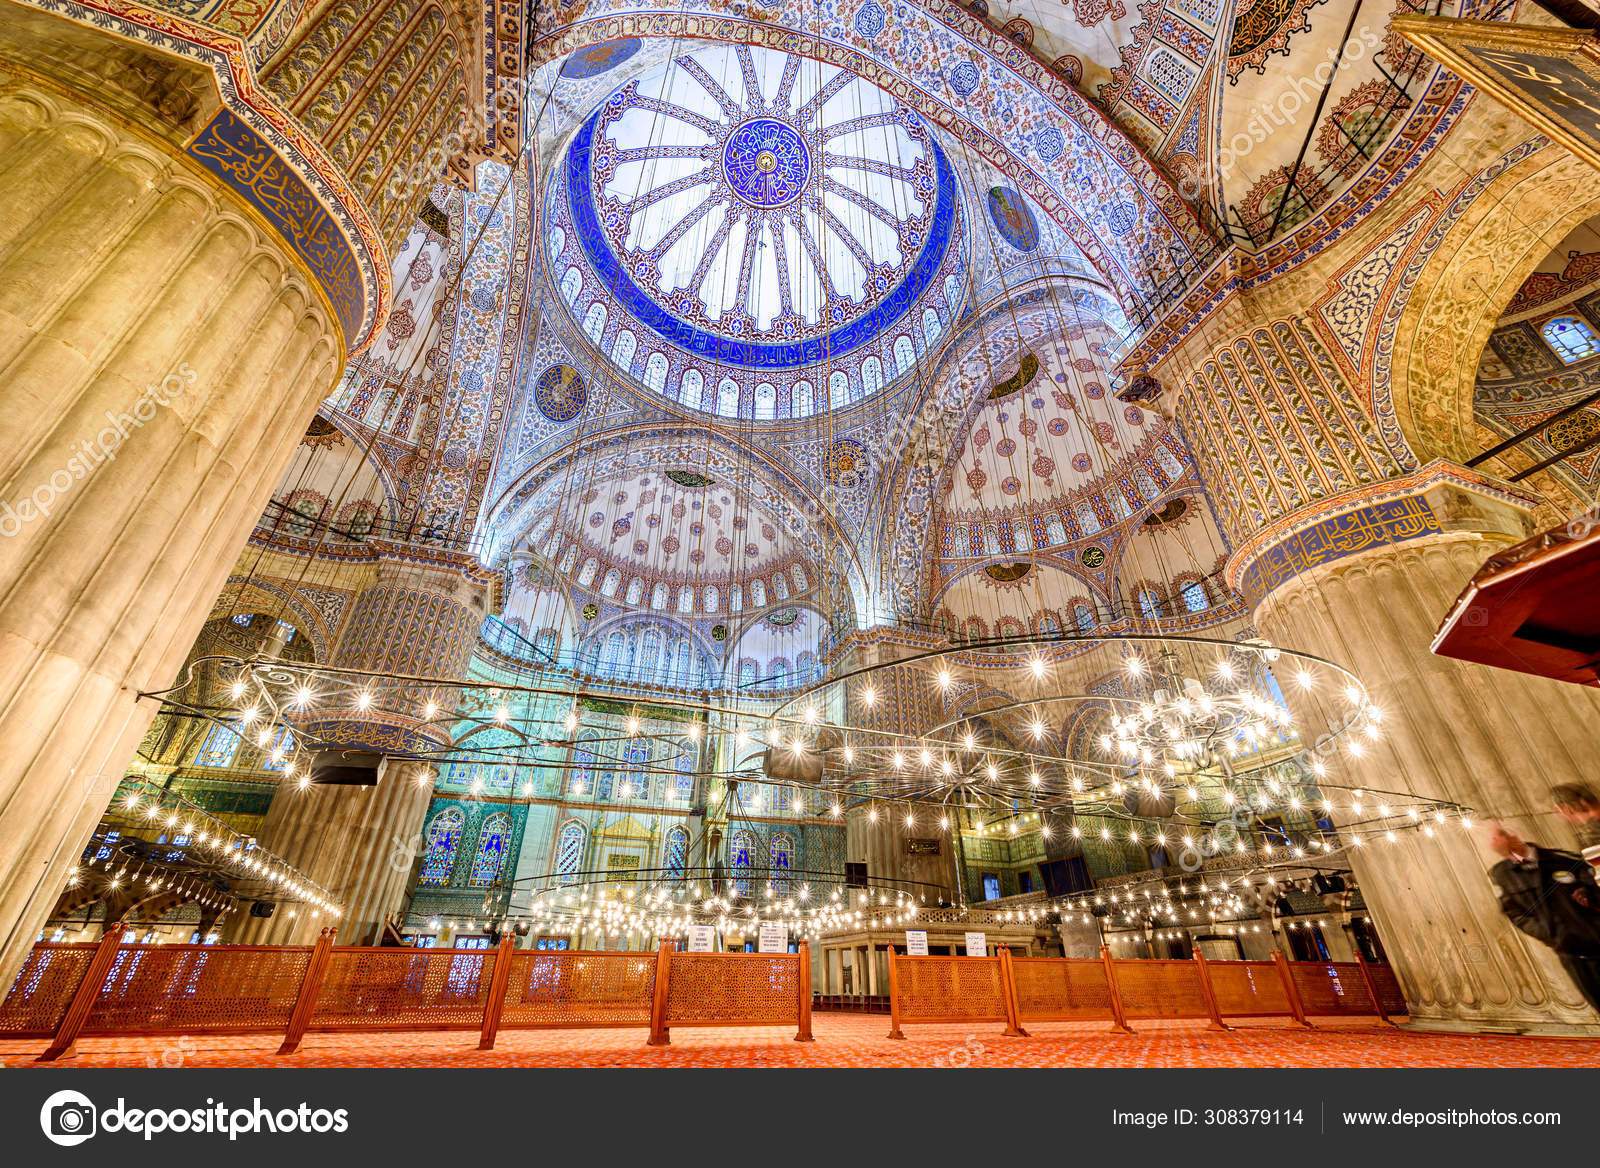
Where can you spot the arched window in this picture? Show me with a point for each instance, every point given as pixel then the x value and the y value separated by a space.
pixel 747 673
pixel 1049 624
pixel 953 293
pixel 594 322
pixel 778 672
pixel 780 586
pixel 648 663
pixel 838 390
pixel 1149 603
pixel 1083 617
pixel 580 776
pixel 800 399
pixel 655 372
pixel 741 858
pixel 688 675
pixel 1088 521
pixel 782 853
pixel 1055 530
pixel 735 598
pixel 658 596
pixel 1571 338
pixel 571 285
pixel 800 581
pixel 1194 596
pixel 612 581
pixel 635 590
pixel 905 356
pixel 547 644
pixel 439 850
pixel 805 664
pixel 558 241
pixel 758 593
pixel 931 328
pixel 569 850
pixel 685 600
pixel 494 839
pixel 636 779
pixel 688 763
pixel 691 387
pixel 727 399
pixel 622 350
pixel 710 597
pixel 614 657
pixel 220 745
pixel 766 402
pixel 871 376
pixel 675 856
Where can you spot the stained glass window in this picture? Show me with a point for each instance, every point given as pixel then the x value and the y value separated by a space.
pixel 677 855
pixel 282 747
pixel 439 853
pixel 1149 605
pixel 782 852
pixel 493 840
pixel 1084 617
pixel 569 850
pixel 1194 596
pixel 688 763
pixel 741 853
pixel 637 756
pixel 219 747
pixel 1571 338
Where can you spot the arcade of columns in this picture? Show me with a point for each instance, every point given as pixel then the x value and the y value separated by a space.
pixel 131 255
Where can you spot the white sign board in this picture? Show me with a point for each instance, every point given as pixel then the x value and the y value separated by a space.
pixel 774 937
pixel 977 945
pixel 702 939
pixel 916 942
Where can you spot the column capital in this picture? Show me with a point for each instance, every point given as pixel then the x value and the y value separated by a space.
pixel 1438 499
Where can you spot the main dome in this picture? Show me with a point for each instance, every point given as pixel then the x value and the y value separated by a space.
pixel 758 209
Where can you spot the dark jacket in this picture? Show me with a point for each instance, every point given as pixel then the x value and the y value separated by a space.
pixel 1538 898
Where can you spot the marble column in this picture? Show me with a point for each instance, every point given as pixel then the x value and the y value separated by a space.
pixel 1491 739
pixel 160 355
pixel 360 843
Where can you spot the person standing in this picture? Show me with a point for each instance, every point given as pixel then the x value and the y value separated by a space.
pixel 1551 896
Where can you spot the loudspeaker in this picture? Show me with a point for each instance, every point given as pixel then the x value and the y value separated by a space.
pixel 262 908
pixel 346 768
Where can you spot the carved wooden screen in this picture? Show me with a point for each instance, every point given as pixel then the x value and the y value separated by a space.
pixel 1388 987
pixel 404 989
pixel 578 988
pixel 1061 989
pixel 199 989
pixel 1331 987
pixel 1161 989
pixel 733 989
pixel 949 989
pixel 1247 988
pixel 39 998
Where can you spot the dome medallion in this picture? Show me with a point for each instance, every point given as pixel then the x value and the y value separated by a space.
pixel 760 210
pixel 766 163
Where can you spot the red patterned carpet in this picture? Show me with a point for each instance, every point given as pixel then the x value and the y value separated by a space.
pixel 848 1040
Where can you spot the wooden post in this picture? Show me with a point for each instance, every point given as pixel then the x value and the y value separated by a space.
pixel 310 986
pixel 1290 990
pixel 1008 981
pixel 1209 992
pixel 499 982
pixel 94 980
pixel 894 999
pixel 1372 990
pixel 803 954
pixel 660 1035
pixel 1119 1021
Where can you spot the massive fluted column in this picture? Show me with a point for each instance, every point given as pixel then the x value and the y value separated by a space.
pixel 1349 550
pixel 160 354
pixel 418 618
pixel 1493 740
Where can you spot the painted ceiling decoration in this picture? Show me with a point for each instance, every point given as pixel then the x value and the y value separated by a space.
pixel 760 210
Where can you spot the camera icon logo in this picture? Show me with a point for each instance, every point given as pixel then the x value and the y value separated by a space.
pixel 68 1118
